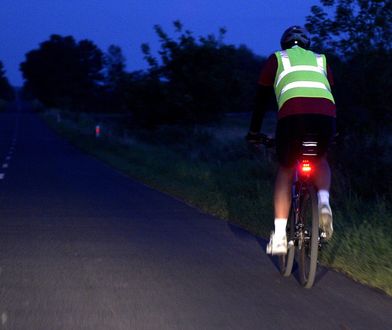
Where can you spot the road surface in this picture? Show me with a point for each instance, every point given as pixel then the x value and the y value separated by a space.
pixel 84 247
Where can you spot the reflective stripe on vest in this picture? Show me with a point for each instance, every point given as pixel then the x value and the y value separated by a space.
pixel 307 77
pixel 303 84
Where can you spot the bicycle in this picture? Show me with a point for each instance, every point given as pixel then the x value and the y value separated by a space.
pixel 303 234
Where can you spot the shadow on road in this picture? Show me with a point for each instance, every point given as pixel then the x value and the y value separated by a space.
pixel 244 235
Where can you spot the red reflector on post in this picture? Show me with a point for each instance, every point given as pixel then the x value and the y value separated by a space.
pixel 97 131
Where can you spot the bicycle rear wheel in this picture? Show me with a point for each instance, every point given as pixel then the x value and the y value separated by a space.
pixel 308 243
pixel 286 261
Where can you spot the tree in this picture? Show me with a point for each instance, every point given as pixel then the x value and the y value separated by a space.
pixel 201 78
pixel 114 65
pixel 6 90
pixel 116 79
pixel 357 26
pixel 64 73
pixel 357 34
pixel 88 73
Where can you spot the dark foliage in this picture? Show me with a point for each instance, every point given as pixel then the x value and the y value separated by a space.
pixel 357 36
pixel 63 73
pixel 358 39
pixel 356 26
pixel 198 79
pixel 6 90
pixel 193 80
pixel 117 80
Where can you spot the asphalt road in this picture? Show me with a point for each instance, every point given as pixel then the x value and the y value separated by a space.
pixel 83 247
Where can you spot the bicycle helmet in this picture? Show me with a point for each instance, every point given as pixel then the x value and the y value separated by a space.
pixel 295 35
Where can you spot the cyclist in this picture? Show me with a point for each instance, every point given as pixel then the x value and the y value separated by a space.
pixel 301 81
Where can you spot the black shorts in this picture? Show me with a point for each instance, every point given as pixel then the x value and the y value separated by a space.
pixel 291 131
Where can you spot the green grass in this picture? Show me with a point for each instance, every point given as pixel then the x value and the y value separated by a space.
pixel 223 177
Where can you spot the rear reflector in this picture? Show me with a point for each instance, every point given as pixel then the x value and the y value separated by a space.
pixel 305 166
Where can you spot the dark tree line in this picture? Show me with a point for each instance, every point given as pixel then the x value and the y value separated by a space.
pixel 6 90
pixel 198 79
pixel 193 79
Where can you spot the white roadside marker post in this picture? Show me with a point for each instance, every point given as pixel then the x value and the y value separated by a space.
pixel 97 131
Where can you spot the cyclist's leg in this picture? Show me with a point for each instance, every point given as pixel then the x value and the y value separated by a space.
pixel 322 181
pixel 287 148
pixel 282 193
pixel 323 128
pixel 282 202
pixel 322 178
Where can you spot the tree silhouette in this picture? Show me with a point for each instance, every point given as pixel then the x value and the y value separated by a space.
pixel 116 79
pixel 64 73
pixel 357 34
pixel 114 66
pixel 6 90
pixel 201 78
pixel 350 27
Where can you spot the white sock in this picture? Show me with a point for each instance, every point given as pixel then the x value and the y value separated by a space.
pixel 323 197
pixel 280 226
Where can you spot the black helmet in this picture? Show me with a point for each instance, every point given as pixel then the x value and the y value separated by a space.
pixel 295 35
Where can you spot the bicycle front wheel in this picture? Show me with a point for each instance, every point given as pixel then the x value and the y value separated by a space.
pixel 308 243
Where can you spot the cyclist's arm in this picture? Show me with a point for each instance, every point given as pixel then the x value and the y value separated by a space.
pixel 264 95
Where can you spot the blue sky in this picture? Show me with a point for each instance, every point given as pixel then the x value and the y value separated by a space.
pixel 128 23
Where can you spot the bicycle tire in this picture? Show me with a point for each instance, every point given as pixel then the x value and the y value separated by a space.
pixel 308 251
pixel 286 261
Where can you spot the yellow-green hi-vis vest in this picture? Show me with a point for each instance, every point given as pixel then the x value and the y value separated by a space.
pixel 301 73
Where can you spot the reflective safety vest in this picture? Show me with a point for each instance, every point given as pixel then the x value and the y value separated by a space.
pixel 301 73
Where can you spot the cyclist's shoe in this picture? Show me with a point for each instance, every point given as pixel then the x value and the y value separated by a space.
pixel 326 225
pixel 277 245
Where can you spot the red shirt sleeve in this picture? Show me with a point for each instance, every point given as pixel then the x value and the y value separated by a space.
pixel 268 73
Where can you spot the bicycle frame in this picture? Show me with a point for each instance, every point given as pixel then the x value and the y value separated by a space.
pixel 301 180
pixel 304 239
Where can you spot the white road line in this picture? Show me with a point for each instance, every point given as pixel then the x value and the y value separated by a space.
pixel 2 175
pixel 4 318
pixel 8 158
pixel 5 165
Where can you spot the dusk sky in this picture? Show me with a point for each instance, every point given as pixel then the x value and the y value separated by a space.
pixel 128 23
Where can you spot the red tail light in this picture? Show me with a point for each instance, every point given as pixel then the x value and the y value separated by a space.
pixel 306 167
